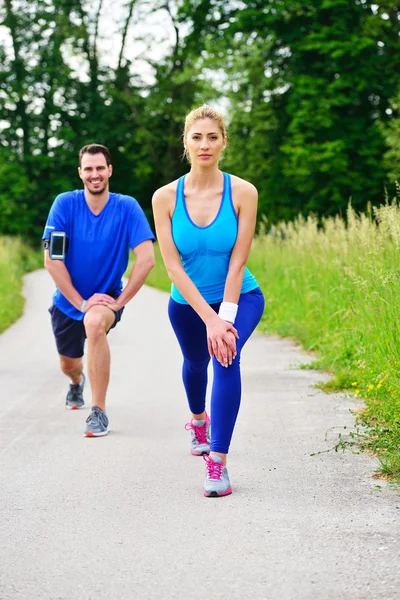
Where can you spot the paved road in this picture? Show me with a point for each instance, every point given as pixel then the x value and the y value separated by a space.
pixel 124 517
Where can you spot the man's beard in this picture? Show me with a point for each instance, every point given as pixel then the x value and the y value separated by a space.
pixel 97 192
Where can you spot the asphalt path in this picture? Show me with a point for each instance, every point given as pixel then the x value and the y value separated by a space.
pixel 124 516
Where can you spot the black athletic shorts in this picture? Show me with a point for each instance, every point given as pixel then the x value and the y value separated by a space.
pixel 70 335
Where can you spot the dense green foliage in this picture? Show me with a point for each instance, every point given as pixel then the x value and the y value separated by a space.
pixel 309 88
pixel 51 109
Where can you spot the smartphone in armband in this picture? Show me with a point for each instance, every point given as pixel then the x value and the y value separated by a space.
pixel 57 245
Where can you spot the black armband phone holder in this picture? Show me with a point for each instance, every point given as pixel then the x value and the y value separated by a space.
pixel 57 245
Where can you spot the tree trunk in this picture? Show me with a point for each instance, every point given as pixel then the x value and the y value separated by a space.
pixel 125 33
pixel 20 74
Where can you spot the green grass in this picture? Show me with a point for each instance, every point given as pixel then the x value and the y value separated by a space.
pixel 335 288
pixel 158 277
pixel 16 259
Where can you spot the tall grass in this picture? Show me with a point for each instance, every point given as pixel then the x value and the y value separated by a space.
pixel 335 287
pixel 15 259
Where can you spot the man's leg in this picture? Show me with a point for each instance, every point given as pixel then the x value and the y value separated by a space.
pixel 98 320
pixel 72 368
pixel 69 336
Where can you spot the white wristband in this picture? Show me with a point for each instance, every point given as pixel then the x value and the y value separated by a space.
pixel 227 311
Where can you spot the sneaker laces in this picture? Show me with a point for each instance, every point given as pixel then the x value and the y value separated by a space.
pixel 200 432
pixel 214 469
pixel 94 416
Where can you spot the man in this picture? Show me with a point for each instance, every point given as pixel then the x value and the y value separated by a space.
pixel 100 228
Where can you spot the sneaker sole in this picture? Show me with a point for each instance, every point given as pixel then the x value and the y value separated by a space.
pixel 216 495
pixel 75 407
pixel 199 453
pixel 90 434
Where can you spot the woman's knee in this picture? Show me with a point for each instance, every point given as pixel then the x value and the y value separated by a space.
pixel 235 366
pixel 196 366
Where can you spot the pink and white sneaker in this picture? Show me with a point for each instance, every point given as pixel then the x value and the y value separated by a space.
pixel 200 433
pixel 217 482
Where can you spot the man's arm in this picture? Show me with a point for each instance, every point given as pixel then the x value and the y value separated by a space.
pixel 58 220
pixel 144 262
pixel 59 273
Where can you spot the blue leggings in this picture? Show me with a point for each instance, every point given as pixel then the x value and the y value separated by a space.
pixel 227 389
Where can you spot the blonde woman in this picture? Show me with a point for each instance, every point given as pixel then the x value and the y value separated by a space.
pixel 205 223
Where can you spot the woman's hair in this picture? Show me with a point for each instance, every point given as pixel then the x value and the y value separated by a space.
pixel 203 112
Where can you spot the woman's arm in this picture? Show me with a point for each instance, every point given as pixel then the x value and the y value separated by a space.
pixel 246 198
pixel 163 202
pixel 173 264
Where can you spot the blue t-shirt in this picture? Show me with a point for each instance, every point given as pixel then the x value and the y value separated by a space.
pixel 98 245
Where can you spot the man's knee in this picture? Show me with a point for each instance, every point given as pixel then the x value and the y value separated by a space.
pixel 70 366
pixel 98 322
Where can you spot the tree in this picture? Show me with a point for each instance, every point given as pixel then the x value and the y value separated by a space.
pixel 50 110
pixel 309 84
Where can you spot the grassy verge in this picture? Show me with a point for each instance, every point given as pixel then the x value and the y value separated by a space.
pixel 336 289
pixel 16 259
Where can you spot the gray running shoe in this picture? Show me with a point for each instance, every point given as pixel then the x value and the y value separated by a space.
pixel 217 482
pixel 74 399
pixel 96 423
pixel 200 432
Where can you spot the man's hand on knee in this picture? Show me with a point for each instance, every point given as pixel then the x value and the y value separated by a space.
pixel 98 300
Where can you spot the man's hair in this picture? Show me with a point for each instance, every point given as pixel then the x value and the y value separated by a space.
pixel 95 149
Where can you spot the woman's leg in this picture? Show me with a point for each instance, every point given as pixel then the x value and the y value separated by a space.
pixel 226 391
pixel 191 334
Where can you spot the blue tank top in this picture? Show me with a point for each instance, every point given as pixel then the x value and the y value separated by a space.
pixel 206 251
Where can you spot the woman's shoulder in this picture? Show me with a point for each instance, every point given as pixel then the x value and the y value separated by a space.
pixel 241 186
pixel 166 193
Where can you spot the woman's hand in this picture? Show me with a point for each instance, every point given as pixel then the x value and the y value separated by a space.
pixel 230 340
pixel 221 340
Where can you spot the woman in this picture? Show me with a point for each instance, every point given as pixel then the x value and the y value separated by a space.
pixel 205 223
